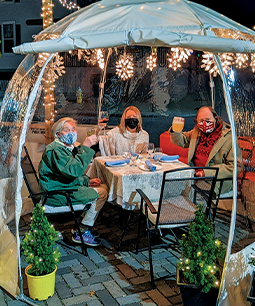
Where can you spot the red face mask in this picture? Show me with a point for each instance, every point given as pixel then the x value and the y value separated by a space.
pixel 206 126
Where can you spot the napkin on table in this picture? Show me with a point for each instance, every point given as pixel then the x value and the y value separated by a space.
pixel 117 162
pixel 167 157
pixel 150 166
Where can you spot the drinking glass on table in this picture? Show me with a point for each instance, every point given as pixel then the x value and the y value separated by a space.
pixel 133 155
pixel 158 154
pixel 150 149
pixel 178 124
pixel 103 119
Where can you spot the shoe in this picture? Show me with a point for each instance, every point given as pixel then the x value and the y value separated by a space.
pixel 88 239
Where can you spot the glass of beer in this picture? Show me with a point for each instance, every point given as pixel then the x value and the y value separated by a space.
pixel 178 124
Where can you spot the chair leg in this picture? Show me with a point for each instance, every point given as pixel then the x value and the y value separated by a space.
pixel 124 230
pixel 139 227
pixel 150 258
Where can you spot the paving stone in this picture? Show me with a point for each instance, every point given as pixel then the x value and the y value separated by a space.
pixel 165 289
pixel 120 279
pixel 114 288
pixel 106 298
pixel 71 280
pixel 68 263
pixel 54 301
pixel 84 298
pixel 95 279
pixel 148 303
pixel 133 263
pixel 102 271
pixel 140 279
pixel 15 303
pixel 94 256
pixel 63 290
pixel 158 298
pixel 94 303
pixel 88 289
pixel 87 263
pixel 127 271
pixel 128 299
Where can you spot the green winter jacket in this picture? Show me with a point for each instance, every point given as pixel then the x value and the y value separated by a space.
pixel 61 168
pixel 221 155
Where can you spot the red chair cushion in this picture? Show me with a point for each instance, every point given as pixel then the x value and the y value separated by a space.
pixel 172 149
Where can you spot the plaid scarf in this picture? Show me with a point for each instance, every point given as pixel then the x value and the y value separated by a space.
pixel 204 147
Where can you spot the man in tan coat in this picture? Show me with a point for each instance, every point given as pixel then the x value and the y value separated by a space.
pixel 210 144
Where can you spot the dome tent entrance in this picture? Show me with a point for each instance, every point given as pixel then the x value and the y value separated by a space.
pixel 108 24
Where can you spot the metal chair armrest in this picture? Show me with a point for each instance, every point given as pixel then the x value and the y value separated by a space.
pixel 147 201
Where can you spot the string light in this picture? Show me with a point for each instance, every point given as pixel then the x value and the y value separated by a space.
pixel 100 58
pixel 209 64
pixel 241 60
pixel 252 64
pixel 182 55
pixel 152 60
pixel 69 5
pixel 125 67
pixel 47 13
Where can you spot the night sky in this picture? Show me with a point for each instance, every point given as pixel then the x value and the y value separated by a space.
pixel 242 11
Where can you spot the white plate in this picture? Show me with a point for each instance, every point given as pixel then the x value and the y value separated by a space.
pixel 144 167
pixel 122 165
pixel 169 161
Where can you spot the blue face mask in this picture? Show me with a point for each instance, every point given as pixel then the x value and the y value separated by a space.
pixel 69 139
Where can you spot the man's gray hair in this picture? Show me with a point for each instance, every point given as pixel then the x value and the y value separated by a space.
pixel 58 126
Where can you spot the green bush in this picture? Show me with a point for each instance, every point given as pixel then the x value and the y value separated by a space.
pixel 200 253
pixel 38 244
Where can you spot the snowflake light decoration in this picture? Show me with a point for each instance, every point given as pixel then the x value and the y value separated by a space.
pixel 209 64
pixel 125 67
pixel 173 62
pixel 100 58
pixel 180 54
pixel 151 60
pixel 69 5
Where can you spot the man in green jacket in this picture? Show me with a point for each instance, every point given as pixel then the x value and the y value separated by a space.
pixel 63 166
pixel 210 144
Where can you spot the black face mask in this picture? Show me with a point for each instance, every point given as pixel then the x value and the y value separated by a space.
pixel 132 123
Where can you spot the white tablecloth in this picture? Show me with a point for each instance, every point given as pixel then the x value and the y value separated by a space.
pixel 123 181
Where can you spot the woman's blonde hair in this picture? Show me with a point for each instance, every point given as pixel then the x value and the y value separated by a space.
pixel 122 125
pixel 58 126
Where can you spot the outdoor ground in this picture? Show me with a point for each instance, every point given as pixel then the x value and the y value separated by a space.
pixel 110 277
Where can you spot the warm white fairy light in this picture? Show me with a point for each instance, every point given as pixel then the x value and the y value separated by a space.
pixel 125 67
pixel 151 61
pixel 209 64
pixel 252 64
pixel 47 13
pixel 100 58
pixel 173 63
pixel 180 54
pixel 69 5
pixel 226 61
pixel 241 60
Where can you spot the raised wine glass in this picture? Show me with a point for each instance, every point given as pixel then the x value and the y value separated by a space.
pixel 103 118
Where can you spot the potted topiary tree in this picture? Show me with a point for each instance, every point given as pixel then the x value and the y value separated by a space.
pixel 198 274
pixel 41 255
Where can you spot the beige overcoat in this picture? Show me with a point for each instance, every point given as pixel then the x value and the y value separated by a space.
pixel 221 155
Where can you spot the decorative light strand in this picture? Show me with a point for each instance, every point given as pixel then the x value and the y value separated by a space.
pixel 252 64
pixel 125 67
pixel 47 13
pixel 241 60
pixel 180 54
pixel 69 5
pixel 100 58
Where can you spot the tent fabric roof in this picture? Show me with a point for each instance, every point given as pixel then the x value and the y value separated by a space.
pixel 116 23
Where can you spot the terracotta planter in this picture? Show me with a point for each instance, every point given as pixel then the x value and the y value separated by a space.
pixel 41 287
pixel 192 295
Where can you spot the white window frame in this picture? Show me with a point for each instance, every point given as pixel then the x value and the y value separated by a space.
pixel 2 34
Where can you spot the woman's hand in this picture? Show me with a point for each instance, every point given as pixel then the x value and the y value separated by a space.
pixel 94 182
pixel 200 173
pixel 90 141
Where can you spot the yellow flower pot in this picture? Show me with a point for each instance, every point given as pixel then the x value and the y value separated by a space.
pixel 41 287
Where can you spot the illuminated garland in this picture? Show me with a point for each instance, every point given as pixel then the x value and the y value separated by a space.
pixel 69 5
pixel 47 13
pixel 151 60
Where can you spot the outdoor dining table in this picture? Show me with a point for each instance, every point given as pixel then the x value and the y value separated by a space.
pixel 123 180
